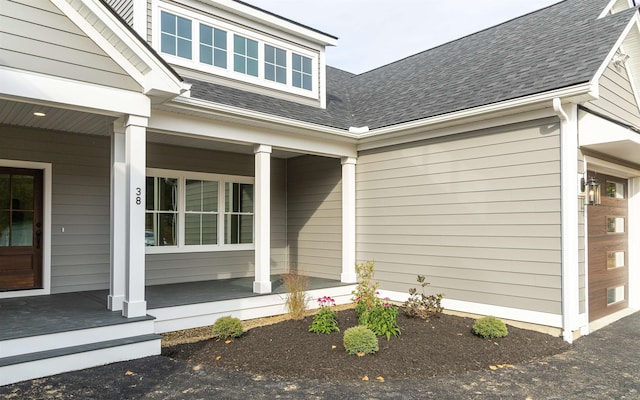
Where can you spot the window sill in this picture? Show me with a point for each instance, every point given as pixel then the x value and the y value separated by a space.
pixel 198 249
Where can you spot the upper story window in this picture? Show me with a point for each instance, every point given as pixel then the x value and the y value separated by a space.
pixel 245 55
pixel 213 46
pixel 176 35
pixel 201 42
pixel 275 64
pixel 302 72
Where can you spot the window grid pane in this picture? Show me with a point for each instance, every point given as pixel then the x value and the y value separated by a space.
pixel 213 46
pixel 245 58
pixel 175 38
pixel 201 217
pixel 302 74
pixel 275 64
pixel 161 211
pixel 238 227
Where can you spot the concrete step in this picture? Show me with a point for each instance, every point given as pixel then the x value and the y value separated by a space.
pixel 38 364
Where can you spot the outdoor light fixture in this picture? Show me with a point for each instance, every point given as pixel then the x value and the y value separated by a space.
pixel 39 114
pixel 619 59
pixel 591 189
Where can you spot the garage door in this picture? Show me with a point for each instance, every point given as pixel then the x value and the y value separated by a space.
pixel 608 248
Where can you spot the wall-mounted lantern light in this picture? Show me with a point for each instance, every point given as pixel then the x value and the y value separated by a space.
pixel 591 190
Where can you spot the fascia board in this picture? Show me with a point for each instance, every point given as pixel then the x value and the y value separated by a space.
pixel 213 109
pixel 153 76
pixel 274 21
pixel 603 67
pixel 70 94
pixel 577 93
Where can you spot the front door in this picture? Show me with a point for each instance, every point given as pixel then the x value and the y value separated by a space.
pixel 608 248
pixel 20 229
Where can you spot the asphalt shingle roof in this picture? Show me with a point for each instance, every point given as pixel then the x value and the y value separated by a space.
pixel 556 47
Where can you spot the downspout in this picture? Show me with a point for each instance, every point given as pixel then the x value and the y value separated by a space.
pixel 568 218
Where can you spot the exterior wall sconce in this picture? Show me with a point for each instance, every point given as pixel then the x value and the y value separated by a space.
pixel 591 189
pixel 620 59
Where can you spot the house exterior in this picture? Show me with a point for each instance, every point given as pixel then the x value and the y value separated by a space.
pixel 194 141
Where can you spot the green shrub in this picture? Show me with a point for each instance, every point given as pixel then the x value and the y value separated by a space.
pixel 360 340
pixel 297 297
pixel 325 320
pixel 382 319
pixel 420 305
pixel 227 328
pixel 490 327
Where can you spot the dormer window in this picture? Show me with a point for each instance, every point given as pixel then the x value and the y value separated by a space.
pixel 302 72
pixel 245 55
pixel 213 46
pixel 275 64
pixel 176 35
pixel 219 47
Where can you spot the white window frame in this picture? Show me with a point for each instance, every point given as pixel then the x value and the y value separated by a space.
pixel 231 29
pixel 182 177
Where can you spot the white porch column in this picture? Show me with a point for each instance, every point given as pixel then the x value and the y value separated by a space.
pixel 348 220
pixel 135 143
pixel 262 214
pixel 117 270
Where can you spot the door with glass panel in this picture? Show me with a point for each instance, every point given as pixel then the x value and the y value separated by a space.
pixel 20 229
pixel 608 248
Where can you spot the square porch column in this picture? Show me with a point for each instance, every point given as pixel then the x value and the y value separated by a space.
pixel 348 220
pixel 118 259
pixel 262 215
pixel 135 166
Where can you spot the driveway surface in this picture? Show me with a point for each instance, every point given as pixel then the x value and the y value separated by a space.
pixel 603 365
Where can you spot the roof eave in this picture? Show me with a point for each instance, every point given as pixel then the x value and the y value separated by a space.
pixel 577 93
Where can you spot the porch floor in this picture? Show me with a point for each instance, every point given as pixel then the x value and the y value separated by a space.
pixel 39 315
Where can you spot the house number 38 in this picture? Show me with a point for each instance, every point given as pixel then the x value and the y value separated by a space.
pixel 138 196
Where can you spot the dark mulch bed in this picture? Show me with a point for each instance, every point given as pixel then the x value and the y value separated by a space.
pixel 444 345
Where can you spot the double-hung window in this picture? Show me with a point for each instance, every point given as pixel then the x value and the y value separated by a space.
pixel 275 64
pixel 245 55
pixel 175 35
pixel 187 211
pixel 302 72
pixel 238 210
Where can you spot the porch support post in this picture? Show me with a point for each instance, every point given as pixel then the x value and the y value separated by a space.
pixel 262 213
pixel 348 220
pixel 135 141
pixel 117 270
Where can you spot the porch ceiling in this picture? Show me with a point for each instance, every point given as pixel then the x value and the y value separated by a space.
pixel 64 120
pixel 605 137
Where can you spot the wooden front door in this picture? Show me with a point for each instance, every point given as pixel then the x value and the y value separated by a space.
pixel 608 228
pixel 20 229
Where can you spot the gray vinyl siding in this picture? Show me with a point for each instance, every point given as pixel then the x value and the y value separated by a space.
pixel 50 43
pixel 79 202
pixel 124 8
pixel 477 213
pixel 314 215
pixel 187 267
pixel 616 97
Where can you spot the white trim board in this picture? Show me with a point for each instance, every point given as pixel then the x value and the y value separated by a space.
pixel 46 234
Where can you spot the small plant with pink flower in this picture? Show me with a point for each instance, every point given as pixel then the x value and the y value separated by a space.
pixel 325 320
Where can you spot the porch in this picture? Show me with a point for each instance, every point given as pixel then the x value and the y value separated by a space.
pixel 45 335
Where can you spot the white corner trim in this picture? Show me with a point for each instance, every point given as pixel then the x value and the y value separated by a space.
pixel 569 216
pixel 359 129
pixel 46 234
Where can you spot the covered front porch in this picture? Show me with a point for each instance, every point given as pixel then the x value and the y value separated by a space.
pixel 43 335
